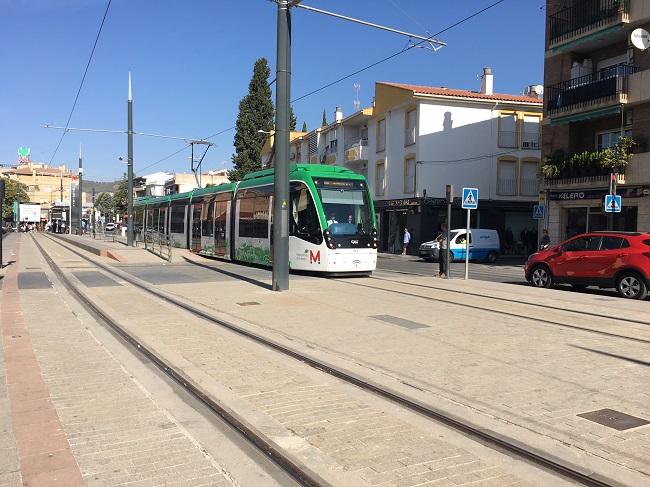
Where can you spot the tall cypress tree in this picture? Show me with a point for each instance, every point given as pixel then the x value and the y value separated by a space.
pixel 324 119
pixel 293 121
pixel 255 113
pixel 304 126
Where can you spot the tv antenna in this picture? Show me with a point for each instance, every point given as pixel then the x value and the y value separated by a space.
pixel 640 39
pixel 357 103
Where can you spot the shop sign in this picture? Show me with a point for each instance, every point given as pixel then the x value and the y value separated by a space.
pixel 593 194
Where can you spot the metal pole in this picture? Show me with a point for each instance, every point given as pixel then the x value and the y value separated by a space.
pixel 70 206
pixel 610 215
pixel 467 247
pixel 93 216
pixel 129 196
pixel 80 203
pixel 448 236
pixel 280 280
pixel 2 201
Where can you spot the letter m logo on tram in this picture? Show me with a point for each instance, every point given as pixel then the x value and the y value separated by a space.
pixel 314 257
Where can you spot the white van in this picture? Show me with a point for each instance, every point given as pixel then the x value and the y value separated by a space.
pixel 484 245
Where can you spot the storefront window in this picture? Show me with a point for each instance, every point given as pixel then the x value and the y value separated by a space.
pixel 593 219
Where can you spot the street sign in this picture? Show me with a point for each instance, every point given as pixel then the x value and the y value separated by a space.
pixel 539 212
pixel 613 203
pixel 470 198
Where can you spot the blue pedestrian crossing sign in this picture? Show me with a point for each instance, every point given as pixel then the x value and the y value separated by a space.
pixel 539 212
pixel 470 198
pixel 613 203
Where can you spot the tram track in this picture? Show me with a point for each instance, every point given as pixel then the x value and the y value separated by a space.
pixel 501 443
pixel 512 314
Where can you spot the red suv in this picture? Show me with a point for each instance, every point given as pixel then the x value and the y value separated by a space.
pixel 603 259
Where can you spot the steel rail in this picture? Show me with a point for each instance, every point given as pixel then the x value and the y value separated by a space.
pixel 556 465
pixel 297 473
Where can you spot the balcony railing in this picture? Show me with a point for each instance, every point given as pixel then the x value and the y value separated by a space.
pixel 529 187
pixel 585 16
pixel 588 90
pixel 515 140
pixel 506 187
pixel 357 151
pixel 530 140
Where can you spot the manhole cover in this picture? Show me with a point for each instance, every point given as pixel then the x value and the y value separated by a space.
pixel 248 303
pixel 614 419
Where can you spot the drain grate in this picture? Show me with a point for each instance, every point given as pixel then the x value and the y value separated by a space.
pixel 396 320
pixel 249 303
pixel 614 419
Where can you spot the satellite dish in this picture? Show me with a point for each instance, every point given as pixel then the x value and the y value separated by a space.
pixel 640 39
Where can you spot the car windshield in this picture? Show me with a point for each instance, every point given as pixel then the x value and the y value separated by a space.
pixel 346 206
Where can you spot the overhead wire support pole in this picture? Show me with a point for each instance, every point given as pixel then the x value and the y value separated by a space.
pixel 280 278
pixel 435 44
pixel 129 196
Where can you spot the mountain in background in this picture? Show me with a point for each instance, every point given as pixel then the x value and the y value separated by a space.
pixel 100 186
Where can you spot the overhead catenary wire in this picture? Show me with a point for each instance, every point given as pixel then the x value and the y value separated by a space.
pixel 83 79
pixel 354 73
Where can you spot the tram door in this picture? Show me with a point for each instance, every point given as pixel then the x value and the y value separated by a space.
pixel 196 228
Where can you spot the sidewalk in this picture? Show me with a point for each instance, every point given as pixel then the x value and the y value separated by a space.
pixel 71 414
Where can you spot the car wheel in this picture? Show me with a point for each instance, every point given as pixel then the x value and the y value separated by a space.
pixel 630 285
pixel 492 257
pixel 540 276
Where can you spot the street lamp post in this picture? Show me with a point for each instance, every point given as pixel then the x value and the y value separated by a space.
pixel 129 196
pixel 80 203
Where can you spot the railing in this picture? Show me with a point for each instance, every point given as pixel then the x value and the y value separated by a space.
pixel 357 151
pixel 357 143
pixel 601 179
pixel 529 187
pixel 159 243
pixel 584 16
pixel 590 89
pixel 530 140
pixel 506 187
pixel 508 139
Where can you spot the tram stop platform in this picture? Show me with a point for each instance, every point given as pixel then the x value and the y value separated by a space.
pixel 562 373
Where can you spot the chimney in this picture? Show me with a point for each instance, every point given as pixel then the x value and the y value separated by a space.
pixel 487 83
pixel 338 114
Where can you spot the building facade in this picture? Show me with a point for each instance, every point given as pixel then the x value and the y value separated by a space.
pixel 597 89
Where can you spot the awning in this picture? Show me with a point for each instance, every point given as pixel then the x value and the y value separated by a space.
pixel 603 112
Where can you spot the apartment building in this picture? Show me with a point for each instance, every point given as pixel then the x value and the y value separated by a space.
pixel 421 138
pixel 597 89
pixel 44 184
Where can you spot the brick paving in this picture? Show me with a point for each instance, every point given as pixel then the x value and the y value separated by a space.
pixel 117 434
pixel 355 435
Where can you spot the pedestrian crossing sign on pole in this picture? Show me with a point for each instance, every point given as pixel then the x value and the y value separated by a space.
pixel 613 203
pixel 470 198
pixel 539 212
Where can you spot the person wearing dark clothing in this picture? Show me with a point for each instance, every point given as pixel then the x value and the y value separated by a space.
pixel 442 252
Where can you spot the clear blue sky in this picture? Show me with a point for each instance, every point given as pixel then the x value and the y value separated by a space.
pixel 191 62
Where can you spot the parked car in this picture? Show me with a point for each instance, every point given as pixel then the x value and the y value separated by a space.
pixel 109 227
pixel 484 245
pixel 618 260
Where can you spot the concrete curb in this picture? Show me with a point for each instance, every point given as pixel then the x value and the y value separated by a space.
pixel 111 254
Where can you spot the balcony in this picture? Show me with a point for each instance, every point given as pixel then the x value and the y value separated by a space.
pixel 590 92
pixel 530 140
pixel 586 17
pixel 583 182
pixel 356 151
pixel 516 140
pixel 529 187
pixel 507 187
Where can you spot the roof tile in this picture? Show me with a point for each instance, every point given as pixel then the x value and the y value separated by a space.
pixel 442 91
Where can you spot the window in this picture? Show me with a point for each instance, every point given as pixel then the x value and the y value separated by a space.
pixel 207 219
pixel 507 177
pixel 508 130
pixel 409 175
pixel 304 222
pixel 381 135
pixel 332 142
pixel 409 127
pixel 589 242
pixel 530 135
pixel 613 243
pixel 380 174
pixel 610 138
pixel 528 185
pixel 346 205
pixel 178 218
pixel 254 212
pixel 462 239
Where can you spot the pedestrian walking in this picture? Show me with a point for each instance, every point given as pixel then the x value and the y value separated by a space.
pixel 442 252
pixel 406 240
pixel 545 241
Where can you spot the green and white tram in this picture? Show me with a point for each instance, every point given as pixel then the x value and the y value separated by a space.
pixel 332 225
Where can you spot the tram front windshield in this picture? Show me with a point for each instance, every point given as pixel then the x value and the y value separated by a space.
pixel 346 207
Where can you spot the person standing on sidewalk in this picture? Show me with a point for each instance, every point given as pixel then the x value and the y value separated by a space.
pixel 442 252
pixel 406 241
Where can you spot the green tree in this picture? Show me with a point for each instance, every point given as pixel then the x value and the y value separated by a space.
pixel 304 126
pixel 120 197
pixel 293 121
pixel 14 191
pixel 104 203
pixel 255 113
pixel 324 119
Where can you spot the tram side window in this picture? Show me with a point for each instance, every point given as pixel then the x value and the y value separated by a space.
pixel 246 211
pixel 178 219
pixel 261 216
pixel 303 222
pixel 220 222
pixel 254 217
pixel 207 215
